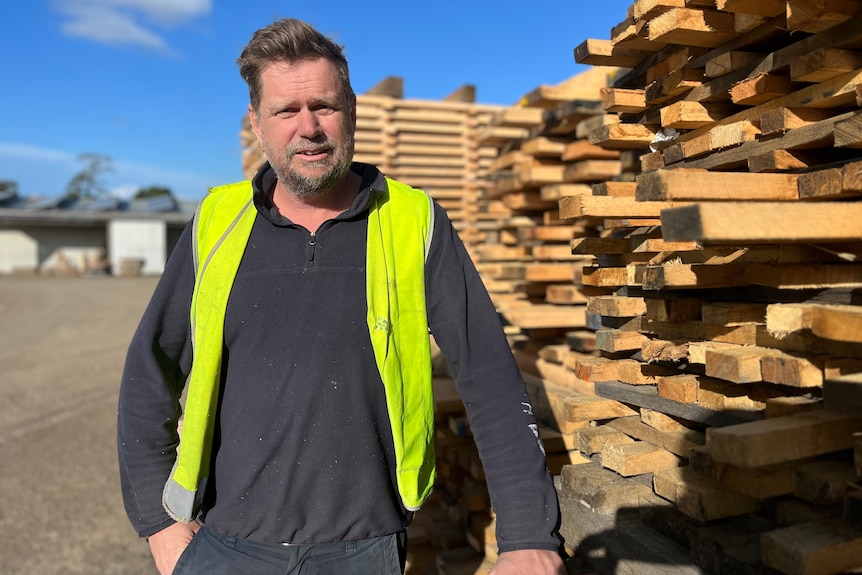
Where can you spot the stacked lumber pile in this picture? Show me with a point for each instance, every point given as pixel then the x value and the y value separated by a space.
pixel 726 422
pixel 454 532
pixel 527 262
pixel 428 144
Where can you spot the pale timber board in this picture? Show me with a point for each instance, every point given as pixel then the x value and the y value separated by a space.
pixel 665 185
pixel 676 442
pixel 693 27
pixel 764 222
pixel 838 92
pixel 847 33
pixel 836 322
pixel 584 206
pixel 812 136
pixel 546 315
pixel 780 439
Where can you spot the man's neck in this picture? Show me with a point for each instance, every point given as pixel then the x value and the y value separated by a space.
pixel 311 212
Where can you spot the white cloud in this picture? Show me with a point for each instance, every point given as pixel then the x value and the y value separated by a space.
pixel 117 22
pixel 15 150
pixel 45 172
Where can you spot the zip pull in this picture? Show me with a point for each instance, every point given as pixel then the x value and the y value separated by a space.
pixel 312 241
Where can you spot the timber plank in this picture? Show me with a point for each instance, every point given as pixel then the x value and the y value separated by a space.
pixel 622 136
pixel 817 135
pixel 761 88
pixel 676 442
pixel 612 207
pixel 546 315
pixel 761 483
pixel 781 439
pixel 836 322
pixel 594 408
pixel 701 497
pixel 693 27
pixel 818 15
pixel 824 64
pixel 737 364
pixel 813 548
pixel 677 184
pixel 638 458
pixel 597 52
pixel 763 222
pixel 794 370
pixel 617 306
pixel 647 396
pixel 596 439
pixel 769 8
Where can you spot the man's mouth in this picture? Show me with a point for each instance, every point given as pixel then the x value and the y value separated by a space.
pixel 312 152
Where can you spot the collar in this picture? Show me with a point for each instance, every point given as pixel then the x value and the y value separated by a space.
pixel 263 183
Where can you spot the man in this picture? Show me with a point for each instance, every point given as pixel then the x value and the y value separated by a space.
pixel 295 311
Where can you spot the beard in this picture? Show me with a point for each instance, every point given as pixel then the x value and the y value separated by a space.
pixel 334 166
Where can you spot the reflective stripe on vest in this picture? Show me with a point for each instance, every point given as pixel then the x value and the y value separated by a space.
pixel 397 323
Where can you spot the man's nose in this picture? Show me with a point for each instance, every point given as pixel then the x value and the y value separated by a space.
pixel 308 124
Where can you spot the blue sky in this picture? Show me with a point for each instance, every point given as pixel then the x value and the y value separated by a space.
pixel 153 83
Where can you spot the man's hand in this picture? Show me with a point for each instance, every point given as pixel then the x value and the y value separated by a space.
pixel 529 562
pixel 168 544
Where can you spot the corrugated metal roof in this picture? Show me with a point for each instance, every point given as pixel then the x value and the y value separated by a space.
pixel 35 210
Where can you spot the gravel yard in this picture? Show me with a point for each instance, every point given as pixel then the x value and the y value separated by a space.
pixel 62 345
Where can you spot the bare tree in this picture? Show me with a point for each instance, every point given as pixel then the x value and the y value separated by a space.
pixel 88 182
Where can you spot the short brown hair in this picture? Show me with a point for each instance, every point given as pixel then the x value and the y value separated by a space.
pixel 288 40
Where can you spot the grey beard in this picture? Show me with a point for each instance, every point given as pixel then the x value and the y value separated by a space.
pixel 304 187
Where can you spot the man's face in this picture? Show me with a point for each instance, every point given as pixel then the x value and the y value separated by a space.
pixel 305 125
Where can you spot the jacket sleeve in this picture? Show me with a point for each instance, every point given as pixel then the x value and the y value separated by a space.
pixel 468 330
pixel 157 363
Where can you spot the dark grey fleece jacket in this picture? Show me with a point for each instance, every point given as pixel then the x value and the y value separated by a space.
pixel 303 449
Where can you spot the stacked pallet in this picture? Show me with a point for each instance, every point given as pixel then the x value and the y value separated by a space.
pixel 730 365
pixel 428 144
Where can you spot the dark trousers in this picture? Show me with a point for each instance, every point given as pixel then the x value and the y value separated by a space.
pixel 211 553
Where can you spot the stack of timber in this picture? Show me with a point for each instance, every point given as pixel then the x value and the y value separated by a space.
pixel 730 345
pixel 453 533
pixel 527 262
pixel 427 144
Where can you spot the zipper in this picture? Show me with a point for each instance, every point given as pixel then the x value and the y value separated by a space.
pixel 312 242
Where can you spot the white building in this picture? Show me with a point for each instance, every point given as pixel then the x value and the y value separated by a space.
pixel 89 236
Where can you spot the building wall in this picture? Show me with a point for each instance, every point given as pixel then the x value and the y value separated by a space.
pixel 51 249
pixel 144 240
pixel 18 250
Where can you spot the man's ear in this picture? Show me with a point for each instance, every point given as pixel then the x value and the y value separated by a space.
pixel 253 119
pixel 353 112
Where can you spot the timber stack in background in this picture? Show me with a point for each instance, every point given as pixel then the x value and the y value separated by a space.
pixel 731 341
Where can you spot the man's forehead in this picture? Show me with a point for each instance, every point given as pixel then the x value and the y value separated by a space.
pixel 317 73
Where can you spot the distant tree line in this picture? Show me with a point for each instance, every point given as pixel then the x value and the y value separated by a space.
pixel 88 183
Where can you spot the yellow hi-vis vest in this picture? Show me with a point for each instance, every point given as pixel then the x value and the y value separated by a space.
pixel 400 225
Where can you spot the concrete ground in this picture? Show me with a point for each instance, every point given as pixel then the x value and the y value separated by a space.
pixel 62 346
